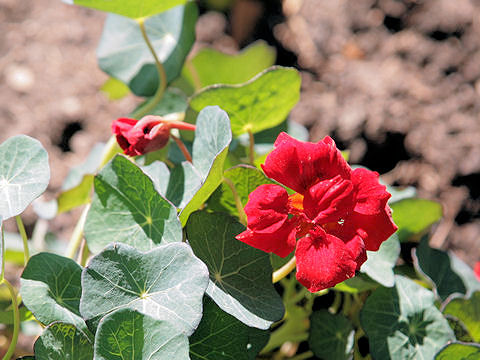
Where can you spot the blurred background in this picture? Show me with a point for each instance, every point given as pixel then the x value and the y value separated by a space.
pixel 396 82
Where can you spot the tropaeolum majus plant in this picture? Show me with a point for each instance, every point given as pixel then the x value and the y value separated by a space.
pixel 212 229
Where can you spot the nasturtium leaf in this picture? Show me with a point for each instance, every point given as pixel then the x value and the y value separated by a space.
pixel 75 196
pixel 459 351
pixel 210 66
pixel 210 147
pixel 357 284
pixel 244 179
pixel 129 334
pixel 124 54
pixel 24 174
pixel 442 270
pixel 133 9
pixel 51 289
pixel 127 208
pixel 114 89
pixel 400 193
pixel 2 250
pixel 413 216
pixel 63 341
pixel 467 310
pixel 258 339
pixel 159 173
pixel 173 101
pixel 379 264
pixel 259 104
pixel 28 357
pixel 403 323
pixel 240 275
pixel 166 283
pixel 231 339
pixel 89 166
pixel 331 336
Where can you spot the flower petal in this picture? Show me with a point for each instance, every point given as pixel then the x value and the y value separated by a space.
pixel 372 196
pixel 299 165
pixel 267 209
pixel 329 200
pixel 323 261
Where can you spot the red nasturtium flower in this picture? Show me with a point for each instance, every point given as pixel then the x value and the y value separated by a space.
pixel 137 137
pixel 335 215
pixel 476 269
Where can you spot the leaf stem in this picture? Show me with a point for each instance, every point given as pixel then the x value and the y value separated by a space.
pixel 16 321
pixel 23 233
pixel 251 152
pixel 77 235
pixel 109 151
pixel 83 253
pixel 284 270
pixel 242 217
pixel 162 76
pixel 182 147
pixel 336 302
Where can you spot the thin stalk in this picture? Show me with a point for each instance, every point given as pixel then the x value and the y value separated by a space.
pixel 111 148
pixel 336 302
pixel 347 304
pixel 23 233
pixel 251 152
pixel 284 270
pixel 83 253
pixel 77 235
pixel 182 147
pixel 238 203
pixel 16 321
pixel 162 76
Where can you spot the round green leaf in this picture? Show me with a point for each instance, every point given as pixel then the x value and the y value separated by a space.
pixel 51 289
pixel 63 341
pixel 127 208
pixel 24 174
pixel 259 104
pixel 128 334
pixel 459 351
pixel 134 9
pixel 379 265
pixel 124 54
pixel 231 339
pixel 468 312
pixel 403 323
pixel 331 336
pixel 166 283
pixel 240 275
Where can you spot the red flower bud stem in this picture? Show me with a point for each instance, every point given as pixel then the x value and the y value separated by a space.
pixel 182 147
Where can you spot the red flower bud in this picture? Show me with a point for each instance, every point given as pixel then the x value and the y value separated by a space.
pixel 138 137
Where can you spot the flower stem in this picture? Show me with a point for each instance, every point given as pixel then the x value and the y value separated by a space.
pixel 16 321
pixel 251 152
pixel 182 147
pixel 77 235
pixel 162 76
pixel 23 233
pixel 238 203
pixel 284 270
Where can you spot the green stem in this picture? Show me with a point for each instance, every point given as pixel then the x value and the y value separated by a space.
pixel 16 321
pixel 284 270
pixel 23 233
pixel 110 150
pixel 162 76
pixel 302 356
pixel 2 249
pixel 238 203
pixel 336 302
pixel 251 152
pixel 182 148
pixel 83 253
pixel 77 235
pixel 347 304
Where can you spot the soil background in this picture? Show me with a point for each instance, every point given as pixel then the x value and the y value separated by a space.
pixel 397 82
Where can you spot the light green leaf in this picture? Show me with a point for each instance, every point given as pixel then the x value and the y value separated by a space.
pixel 379 265
pixel 134 9
pixel 210 66
pixel 76 174
pixel 63 341
pixel 212 137
pixel 441 269
pixel 259 104
pixel 331 336
pixel 124 54
pixel 459 351
pixel 76 196
pixel 467 310
pixel 24 174
pixel 129 334
pixel 245 179
pixel 126 208
pixel 159 173
pixel 413 216
pixel 403 323
pixel 114 89
pixel 173 101
pixel 357 284
pixel 231 338
pixel 51 289
pixel 166 283
pixel 240 275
